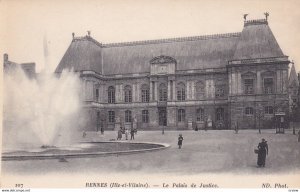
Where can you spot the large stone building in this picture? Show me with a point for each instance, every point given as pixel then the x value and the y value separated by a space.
pixel 293 87
pixel 28 68
pixel 214 81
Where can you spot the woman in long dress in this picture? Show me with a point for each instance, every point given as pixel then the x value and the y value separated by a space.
pixel 180 139
pixel 262 153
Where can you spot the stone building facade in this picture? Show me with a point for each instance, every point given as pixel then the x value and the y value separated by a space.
pixel 28 68
pixel 214 81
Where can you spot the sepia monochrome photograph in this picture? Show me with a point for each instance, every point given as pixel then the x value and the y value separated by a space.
pixel 150 94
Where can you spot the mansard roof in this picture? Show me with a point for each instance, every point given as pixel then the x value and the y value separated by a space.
pixel 257 41
pixel 190 53
pixel 198 52
pixel 84 53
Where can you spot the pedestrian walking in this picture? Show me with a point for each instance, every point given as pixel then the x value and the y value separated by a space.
pixel 262 153
pixel 299 136
pixel 236 129
pixel 119 134
pixel 132 134
pixel 84 134
pixel 180 139
pixel 126 133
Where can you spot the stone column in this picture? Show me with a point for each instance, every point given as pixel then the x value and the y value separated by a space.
pixel 121 93
pixel 151 91
pixel 174 90
pixel 285 80
pixel 169 91
pixel 239 82
pixel 258 84
pixel 133 92
pixel 89 91
pixel 138 92
pixel 187 90
pixel 279 81
pixel 155 91
pixel 230 83
pixel 193 90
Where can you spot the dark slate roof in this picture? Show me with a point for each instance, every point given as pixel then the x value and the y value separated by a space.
pixel 84 53
pixel 200 52
pixel 293 79
pixel 190 53
pixel 257 41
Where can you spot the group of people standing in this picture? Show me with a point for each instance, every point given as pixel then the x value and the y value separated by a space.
pixel 126 132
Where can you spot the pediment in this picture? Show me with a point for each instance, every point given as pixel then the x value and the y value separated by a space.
pixel 162 59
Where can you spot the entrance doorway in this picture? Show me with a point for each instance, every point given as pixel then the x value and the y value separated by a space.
pixel 162 116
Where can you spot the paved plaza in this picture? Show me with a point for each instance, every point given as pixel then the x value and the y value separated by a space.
pixel 211 151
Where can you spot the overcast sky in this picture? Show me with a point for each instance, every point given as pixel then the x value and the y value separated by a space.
pixel 25 24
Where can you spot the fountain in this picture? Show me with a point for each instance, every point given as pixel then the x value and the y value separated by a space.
pixel 41 119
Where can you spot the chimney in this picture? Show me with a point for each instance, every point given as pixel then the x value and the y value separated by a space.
pixel 89 33
pixel 73 35
pixel 5 57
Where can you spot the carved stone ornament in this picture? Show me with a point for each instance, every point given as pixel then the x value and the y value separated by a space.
pixel 162 59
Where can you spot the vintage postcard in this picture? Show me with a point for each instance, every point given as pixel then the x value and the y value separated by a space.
pixel 150 94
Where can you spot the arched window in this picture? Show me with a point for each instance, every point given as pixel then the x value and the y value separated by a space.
pixel 127 116
pixel 145 93
pixel 180 92
pixel 220 114
pixel 249 111
pixel 111 94
pixel 145 116
pixel 200 114
pixel 127 94
pixel 200 90
pixel 163 92
pixel 181 115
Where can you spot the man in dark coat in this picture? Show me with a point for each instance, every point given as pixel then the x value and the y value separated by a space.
pixel 180 139
pixel 119 134
pixel 132 134
pixel 262 153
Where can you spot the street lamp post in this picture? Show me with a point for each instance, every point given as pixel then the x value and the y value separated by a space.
pixel 293 117
pixel 260 114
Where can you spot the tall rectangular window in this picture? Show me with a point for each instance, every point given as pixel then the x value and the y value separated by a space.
pixel 145 116
pixel 111 116
pixel 145 95
pixel 128 94
pixel 268 85
pixel 181 115
pixel 127 116
pixel 200 114
pixel 111 94
pixel 248 83
pixel 180 92
pixel 220 114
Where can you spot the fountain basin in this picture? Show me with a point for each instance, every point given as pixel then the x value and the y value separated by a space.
pixel 85 149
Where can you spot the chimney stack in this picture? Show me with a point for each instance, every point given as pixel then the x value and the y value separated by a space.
pixel 73 35
pixel 5 57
